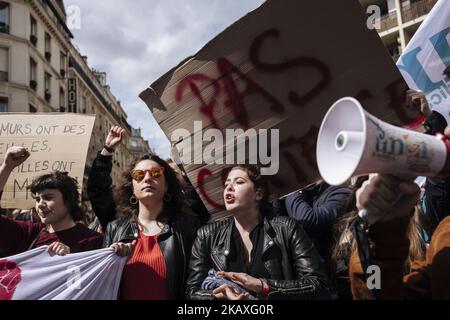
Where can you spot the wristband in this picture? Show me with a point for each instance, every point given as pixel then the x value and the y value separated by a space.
pixel 109 149
pixel 264 287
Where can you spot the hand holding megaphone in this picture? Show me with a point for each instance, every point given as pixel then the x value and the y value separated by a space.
pixel 385 197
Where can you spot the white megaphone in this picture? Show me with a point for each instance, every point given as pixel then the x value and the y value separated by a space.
pixel 353 142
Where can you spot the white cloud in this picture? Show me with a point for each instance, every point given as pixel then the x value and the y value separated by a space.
pixel 137 41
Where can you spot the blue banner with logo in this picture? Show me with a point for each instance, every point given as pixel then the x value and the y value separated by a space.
pixel 426 57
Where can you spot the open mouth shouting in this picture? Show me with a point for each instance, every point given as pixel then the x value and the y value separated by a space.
pixel 229 198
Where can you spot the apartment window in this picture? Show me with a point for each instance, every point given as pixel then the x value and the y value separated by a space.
pixel 33 31
pixel 3 104
pixel 32 109
pixel 48 47
pixel 4 64
pixel 62 62
pixel 62 100
pixel 33 71
pixel 47 86
pixel 83 104
pixel 4 17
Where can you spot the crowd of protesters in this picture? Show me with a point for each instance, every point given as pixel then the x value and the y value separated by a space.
pixel 310 244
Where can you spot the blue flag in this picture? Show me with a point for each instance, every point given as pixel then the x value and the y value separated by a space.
pixel 426 57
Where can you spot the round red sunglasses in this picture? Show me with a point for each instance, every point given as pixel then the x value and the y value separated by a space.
pixel 139 175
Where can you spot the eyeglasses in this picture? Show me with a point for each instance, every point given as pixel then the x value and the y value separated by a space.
pixel 139 175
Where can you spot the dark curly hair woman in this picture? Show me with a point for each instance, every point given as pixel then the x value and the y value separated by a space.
pixel 270 257
pixel 150 227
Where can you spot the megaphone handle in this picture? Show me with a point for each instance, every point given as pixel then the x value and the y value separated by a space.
pixel 371 218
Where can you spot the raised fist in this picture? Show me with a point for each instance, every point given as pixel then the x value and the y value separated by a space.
pixel 15 156
pixel 115 136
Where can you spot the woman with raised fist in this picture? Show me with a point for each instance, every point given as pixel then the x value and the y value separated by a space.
pixel 57 204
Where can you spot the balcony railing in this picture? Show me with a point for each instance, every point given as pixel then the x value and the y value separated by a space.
pixel 388 21
pixel 417 9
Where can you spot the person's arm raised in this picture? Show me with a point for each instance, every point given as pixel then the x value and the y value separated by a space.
pixel 14 157
pixel 15 236
pixel 114 137
pixel 99 184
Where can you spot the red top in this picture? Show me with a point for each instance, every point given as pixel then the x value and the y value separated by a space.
pixel 18 236
pixel 145 276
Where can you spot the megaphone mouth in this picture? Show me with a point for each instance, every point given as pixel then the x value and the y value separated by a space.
pixel 341 140
pixel 352 142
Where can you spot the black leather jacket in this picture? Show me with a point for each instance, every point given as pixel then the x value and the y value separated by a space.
pixel 296 269
pixel 175 240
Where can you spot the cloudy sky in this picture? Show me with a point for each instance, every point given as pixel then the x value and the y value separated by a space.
pixel 137 41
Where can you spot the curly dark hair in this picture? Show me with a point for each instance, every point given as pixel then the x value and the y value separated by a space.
pixel 67 185
pixel 125 191
pixel 260 182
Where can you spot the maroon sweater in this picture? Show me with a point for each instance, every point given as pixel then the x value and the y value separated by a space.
pixel 17 236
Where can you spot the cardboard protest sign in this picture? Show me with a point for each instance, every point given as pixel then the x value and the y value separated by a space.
pixel 276 71
pixel 56 141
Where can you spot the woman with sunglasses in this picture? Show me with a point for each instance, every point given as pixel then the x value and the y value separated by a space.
pixel 268 257
pixel 150 228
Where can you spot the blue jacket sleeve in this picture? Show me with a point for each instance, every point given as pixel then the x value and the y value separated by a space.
pixel 99 190
pixel 318 215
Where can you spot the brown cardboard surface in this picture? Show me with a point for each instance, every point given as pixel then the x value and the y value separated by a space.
pixel 57 141
pixel 279 67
